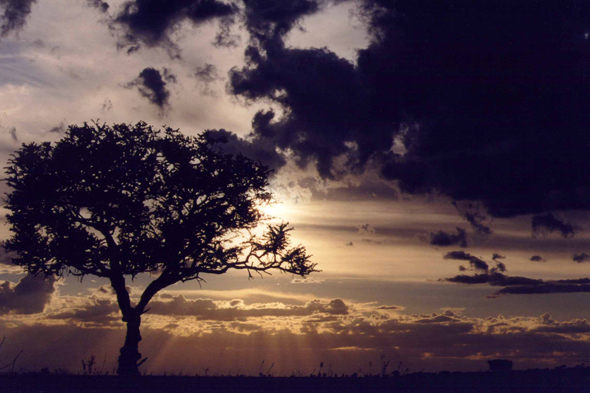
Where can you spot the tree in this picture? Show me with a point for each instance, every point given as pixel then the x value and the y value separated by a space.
pixel 118 201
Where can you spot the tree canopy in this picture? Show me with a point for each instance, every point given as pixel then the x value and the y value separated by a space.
pixel 118 201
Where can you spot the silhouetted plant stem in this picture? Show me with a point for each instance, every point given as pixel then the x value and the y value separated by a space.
pixel 13 363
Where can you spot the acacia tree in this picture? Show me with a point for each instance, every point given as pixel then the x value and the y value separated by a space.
pixel 118 201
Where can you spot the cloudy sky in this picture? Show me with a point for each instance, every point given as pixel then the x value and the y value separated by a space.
pixel 432 156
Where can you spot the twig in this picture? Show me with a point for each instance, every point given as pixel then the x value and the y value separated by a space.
pixel 270 368
pixel 13 362
pixel 103 363
pixel 261 364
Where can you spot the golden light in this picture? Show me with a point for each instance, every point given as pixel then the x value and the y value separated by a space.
pixel 281 211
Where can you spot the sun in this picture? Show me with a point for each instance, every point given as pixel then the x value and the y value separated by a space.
pixel 276 211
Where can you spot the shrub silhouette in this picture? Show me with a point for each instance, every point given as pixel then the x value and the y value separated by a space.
pixel 118 201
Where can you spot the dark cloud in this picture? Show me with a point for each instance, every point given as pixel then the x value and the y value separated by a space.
pixel 463 85
pixel 545 288
pixel 500 267
pixel 29 296
pixel 100 5
pixel 478 264
pixel 322 113
pixel 14 14
pixel 366 229
pixel 58 129
pixel 322 95
pixel 268 21
pixel 458 255
pixel 96 312
pixel 466 279
pixel 445 239
pixel 151 84
pixel 497 256
pixel 13 134
pixel 547 223
pixel 484 66
pixel 476 220
pixel 255 149
pixel 517 285
pixel 472 212
pixel 494 279
pixel 475 263
pixel 537 258
pixel 149 22
pixel 581 258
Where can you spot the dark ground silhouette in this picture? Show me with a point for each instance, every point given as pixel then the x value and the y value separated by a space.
pixel 560 379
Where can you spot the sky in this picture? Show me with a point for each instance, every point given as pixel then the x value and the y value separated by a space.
pixel 431 156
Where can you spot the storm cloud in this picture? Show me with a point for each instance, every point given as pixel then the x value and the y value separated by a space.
pixel 152 83
pixel 474 262
pixel 581 258
pixel 463 85
pixel 445 239
pixel 29 296
pixel 100 5
pixel 13 15
pixel 149 22
pixel 460 87
pixel 547 223
pixel 517 285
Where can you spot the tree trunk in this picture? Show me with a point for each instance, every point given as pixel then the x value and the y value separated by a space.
pixel 129 360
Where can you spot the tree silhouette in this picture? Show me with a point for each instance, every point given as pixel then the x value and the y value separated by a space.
pixel 118 201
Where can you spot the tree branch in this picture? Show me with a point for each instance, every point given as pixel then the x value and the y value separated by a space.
pixel 118 284
pixel 164 280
